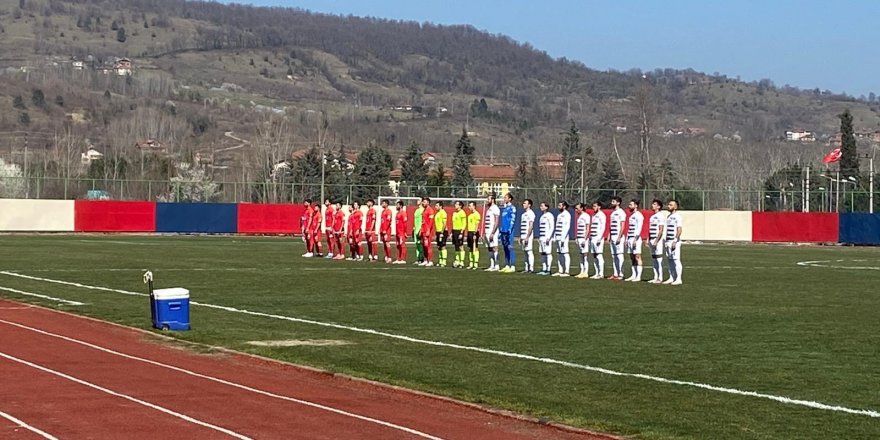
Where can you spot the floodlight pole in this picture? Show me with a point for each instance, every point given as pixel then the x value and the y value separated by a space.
pixel 807 192
pixel 323 160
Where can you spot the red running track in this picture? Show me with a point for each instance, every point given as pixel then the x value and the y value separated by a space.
pixel 71 377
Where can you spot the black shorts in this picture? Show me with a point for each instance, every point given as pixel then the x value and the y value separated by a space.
pixel 441 238
pixel 457 239
pixel 472 239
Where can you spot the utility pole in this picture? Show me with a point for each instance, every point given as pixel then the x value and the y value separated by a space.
pixel 27 183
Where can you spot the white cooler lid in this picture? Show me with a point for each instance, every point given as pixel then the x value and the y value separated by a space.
pixel 171 293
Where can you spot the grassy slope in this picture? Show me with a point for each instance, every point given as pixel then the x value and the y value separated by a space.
pixel 748 318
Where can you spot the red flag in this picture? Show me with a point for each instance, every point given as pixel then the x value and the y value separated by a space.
pixel 833 156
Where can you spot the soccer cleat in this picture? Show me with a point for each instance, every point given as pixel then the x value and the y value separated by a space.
pixel 596 277
pixel 429 264
pixel 564 275
pixel 676 283
pixel 308 255
pixel 557 274
pixel 654 281
pixel 328 256
pixel 543 273
pixel 669 281
pixel 582 275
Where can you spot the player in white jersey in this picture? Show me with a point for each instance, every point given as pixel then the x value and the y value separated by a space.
pixel 673 243
pixel 563 226
pixel 616 234
pixel 545 239
pixel 597 240
pixel 582 228
pixel 656 229
pixel 526 234
pixel 490 232
pixel 634 240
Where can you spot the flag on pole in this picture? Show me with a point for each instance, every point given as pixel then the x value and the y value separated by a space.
pixel 832 156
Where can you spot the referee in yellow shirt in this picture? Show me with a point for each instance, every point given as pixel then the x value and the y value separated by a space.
pixel 474 221
pixel 442 232
pixel 459 227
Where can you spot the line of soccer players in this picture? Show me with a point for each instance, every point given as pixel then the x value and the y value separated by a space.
pixel 593 228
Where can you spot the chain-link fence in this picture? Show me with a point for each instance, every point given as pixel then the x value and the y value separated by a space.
pixel 847 198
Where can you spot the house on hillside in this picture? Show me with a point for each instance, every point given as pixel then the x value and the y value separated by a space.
pixel 78 65
pixel 123 67
pixel 800 135
pixel 150 146
pixel 91 155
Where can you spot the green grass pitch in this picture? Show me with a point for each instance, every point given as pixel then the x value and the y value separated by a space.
pixel 747 318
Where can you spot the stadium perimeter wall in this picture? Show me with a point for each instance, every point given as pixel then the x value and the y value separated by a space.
pixel 36 215
pixel 17 215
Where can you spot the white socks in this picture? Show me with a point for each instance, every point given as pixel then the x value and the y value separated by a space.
pixel 658 268
pixel 530 261
pixel 617 260
pixel 599 262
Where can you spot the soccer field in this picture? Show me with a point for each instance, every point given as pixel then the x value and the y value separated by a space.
pixel 716 358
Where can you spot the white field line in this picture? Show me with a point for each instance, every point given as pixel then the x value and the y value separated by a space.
pixel 836 264
pixel 38 295
pixel 226 382
pixel 28 427
pixel 125 396
pixel 721 389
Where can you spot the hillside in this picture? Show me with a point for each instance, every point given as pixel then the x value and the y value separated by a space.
pixel 201 70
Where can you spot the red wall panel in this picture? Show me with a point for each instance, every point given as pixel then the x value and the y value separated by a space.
pixel 258 218
pixel 813 227
pixel 114 216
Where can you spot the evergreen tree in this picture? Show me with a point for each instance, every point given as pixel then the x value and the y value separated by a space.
pixel 59 100
pixel 612 182
pixel 24 118
pixel 413 170
pixel 372 172
pixel 438 183
pixel 849 156
pixel 461 164
pixel 38 98
pixel 522 173
pixel 307 170
pixel 120 35
pixel 571 150
pixel 18 102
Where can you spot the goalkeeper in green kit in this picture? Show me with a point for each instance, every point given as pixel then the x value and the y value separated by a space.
pixel 417 231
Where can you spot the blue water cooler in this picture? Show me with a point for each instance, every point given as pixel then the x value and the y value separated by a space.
pixel 169 308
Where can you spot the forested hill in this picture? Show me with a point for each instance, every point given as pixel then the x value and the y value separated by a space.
pixel 201 69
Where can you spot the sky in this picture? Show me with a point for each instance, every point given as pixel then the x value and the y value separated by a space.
pixel 826 44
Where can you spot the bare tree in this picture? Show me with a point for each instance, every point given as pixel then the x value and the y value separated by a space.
pixel 646 106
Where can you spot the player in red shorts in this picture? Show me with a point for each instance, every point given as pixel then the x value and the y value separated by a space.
pixel 315 228
pixel 400 227
pixel 427 231
pixel 356 232
pixel 329 211
pixel 305 229
pixel 338 231
pixel 370 232
pixel 385 230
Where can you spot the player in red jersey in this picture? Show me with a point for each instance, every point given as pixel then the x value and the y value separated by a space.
pixel 315 228
pixel 401 223
pixel 427 231
pixel 385 230
pixel 329 211
pixel 370 232
pixel 304 228
pixel 338 231
pixel 356 232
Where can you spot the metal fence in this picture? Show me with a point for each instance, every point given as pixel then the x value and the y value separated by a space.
pixel 845 199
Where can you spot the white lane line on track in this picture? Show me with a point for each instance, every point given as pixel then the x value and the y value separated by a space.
pixel 546 360
pixel 30 428
pixel 225 382
pixel 125 396
pixel 39 295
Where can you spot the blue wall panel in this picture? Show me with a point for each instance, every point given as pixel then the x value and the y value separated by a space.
pixel 859 228
pixel 210 218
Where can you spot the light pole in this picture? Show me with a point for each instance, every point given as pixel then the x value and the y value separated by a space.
pixel 323 162
pixel 581 193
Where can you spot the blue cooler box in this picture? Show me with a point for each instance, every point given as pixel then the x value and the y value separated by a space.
pixel 171 309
